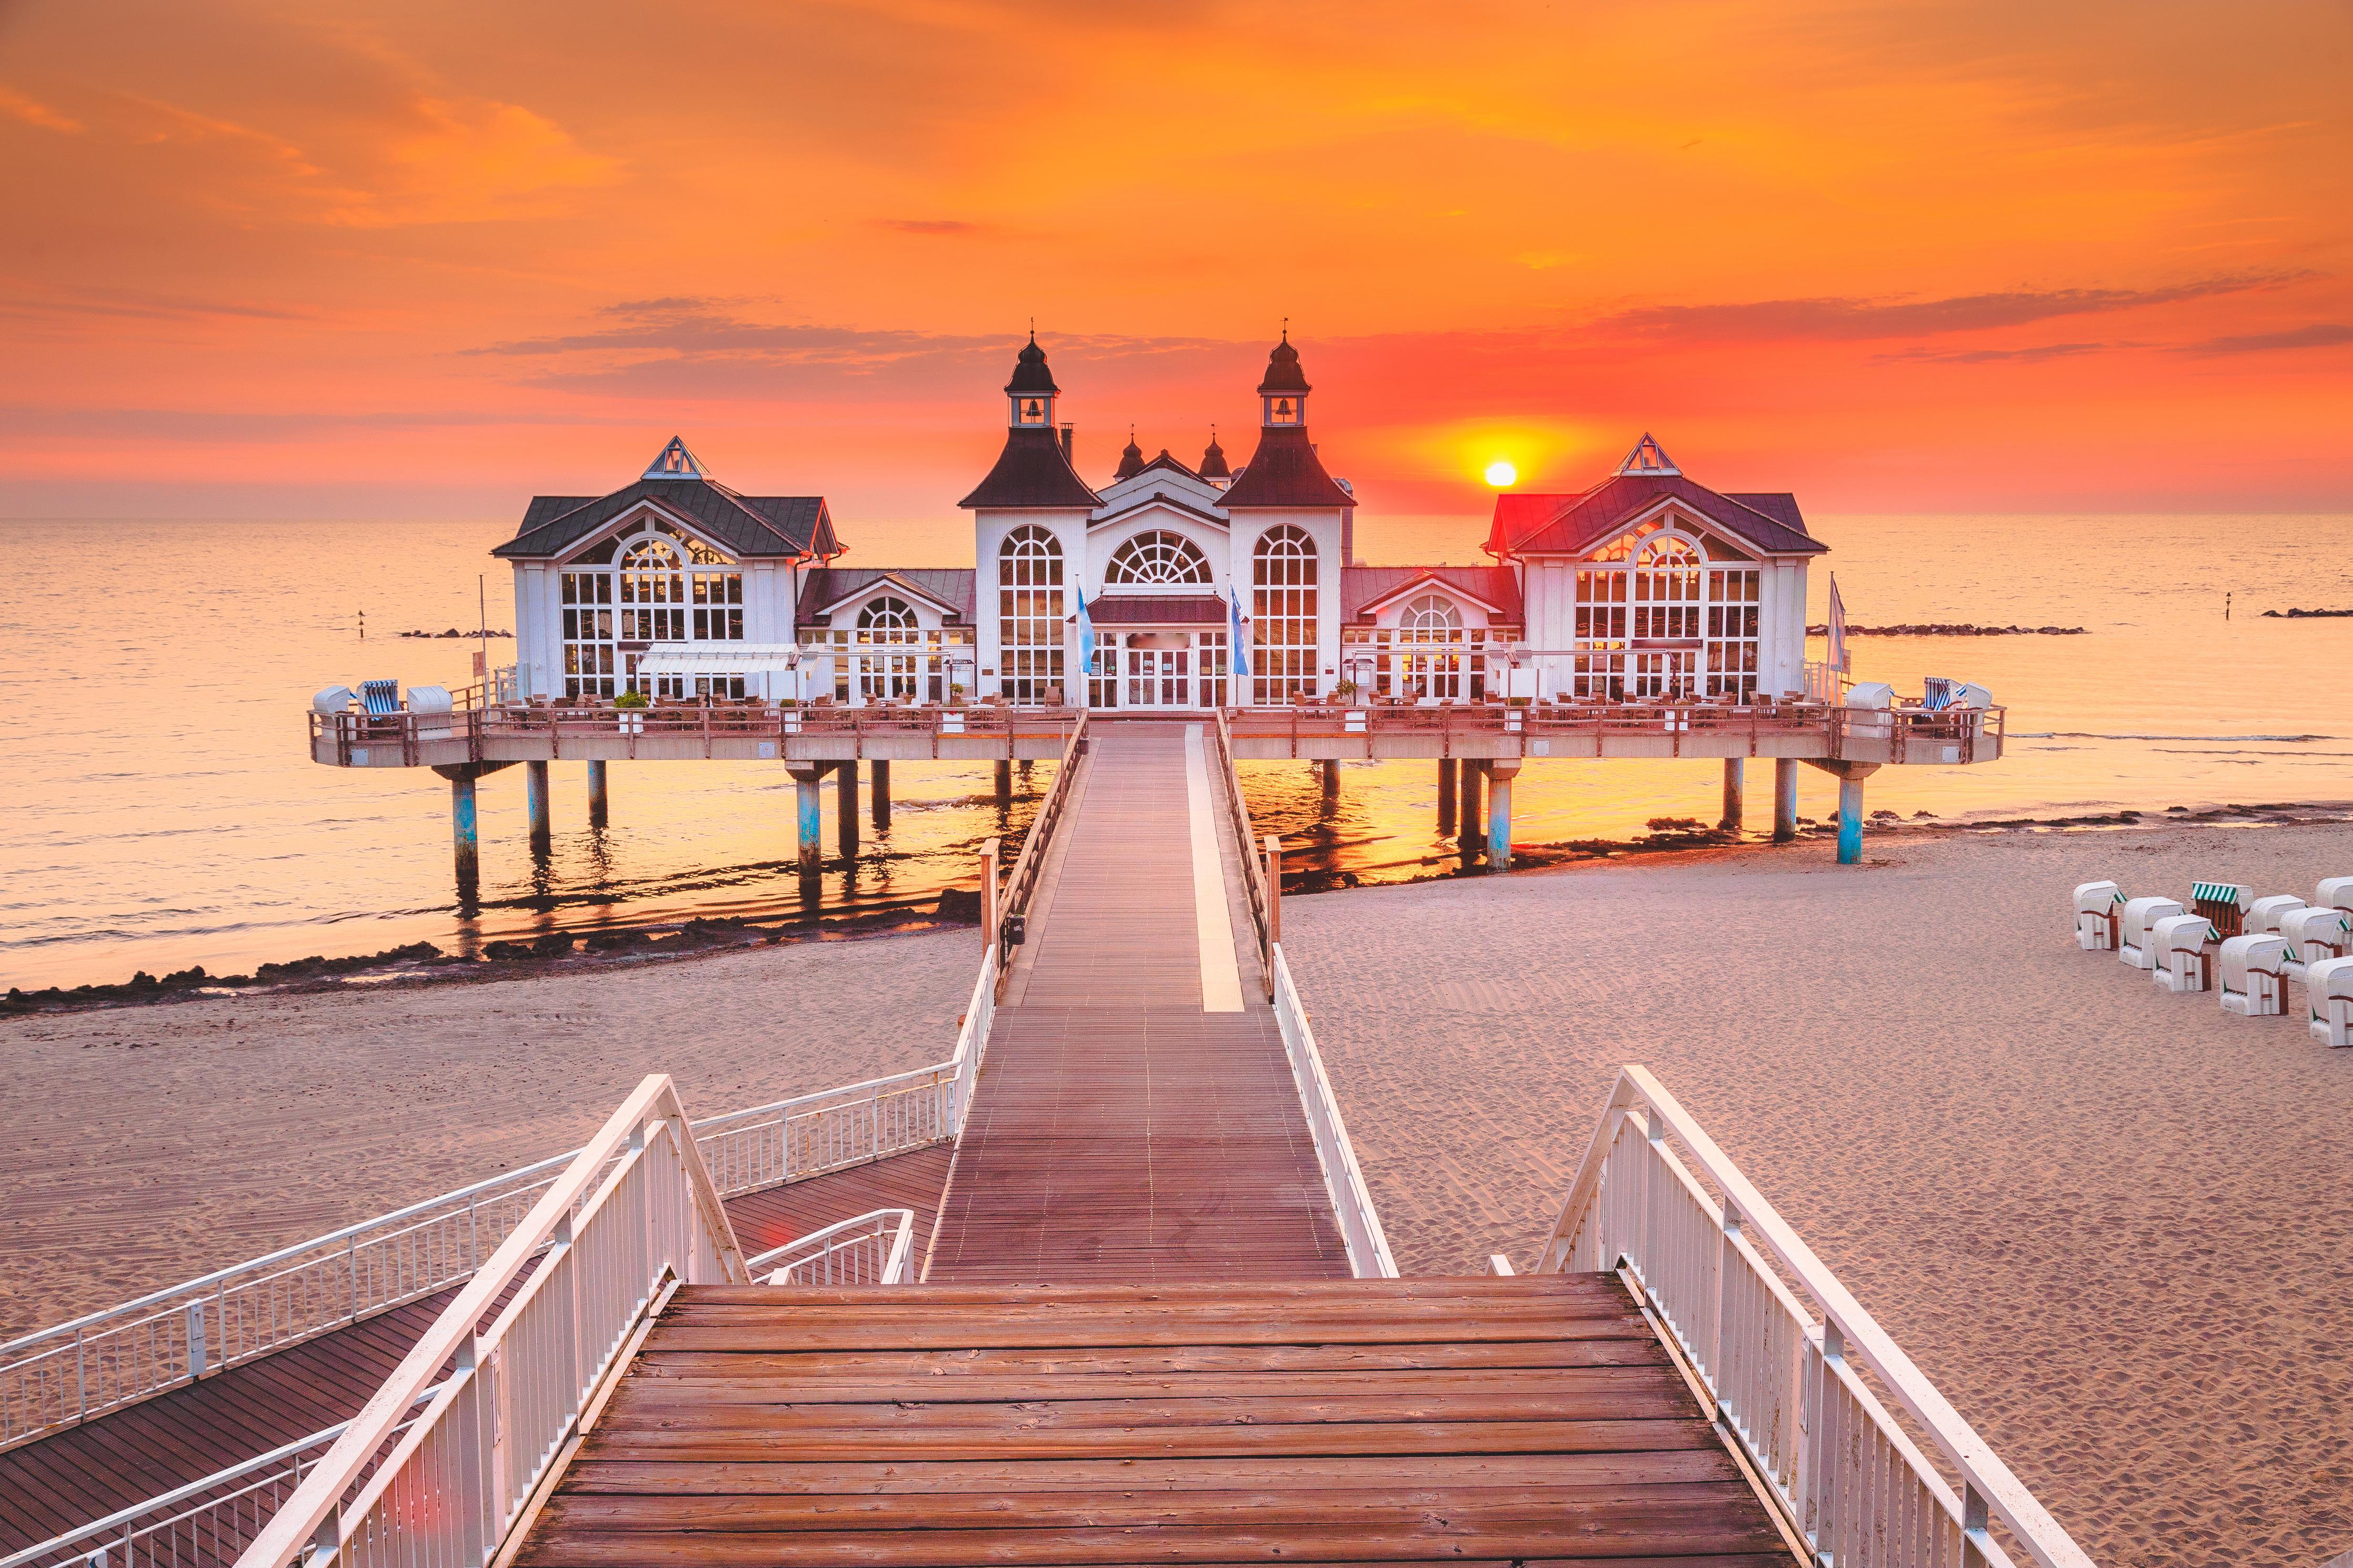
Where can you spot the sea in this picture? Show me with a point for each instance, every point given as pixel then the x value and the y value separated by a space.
pixel 161 810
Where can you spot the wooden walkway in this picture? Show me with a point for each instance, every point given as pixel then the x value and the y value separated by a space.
pixel 131 1454
pixel 1494 1421
pixel 1122 1131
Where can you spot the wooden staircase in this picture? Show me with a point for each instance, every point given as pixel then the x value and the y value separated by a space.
pixel 1488 1420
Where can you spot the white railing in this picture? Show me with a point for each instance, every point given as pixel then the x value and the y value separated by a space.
pixel 56 1377
pixel 1352 1204
pixel 634 1213
pixel 869 1249
pixel 971 1040
pixel 1783 1352
pixel 202 1523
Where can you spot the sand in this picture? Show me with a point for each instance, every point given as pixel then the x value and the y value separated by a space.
pixel 2116 1227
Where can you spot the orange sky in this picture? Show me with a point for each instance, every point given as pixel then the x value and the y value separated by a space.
pixel 426 259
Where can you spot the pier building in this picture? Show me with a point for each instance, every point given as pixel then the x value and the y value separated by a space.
pixel 1644 615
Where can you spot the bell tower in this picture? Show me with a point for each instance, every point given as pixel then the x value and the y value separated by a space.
pixel 1029 396
pixel 1283 393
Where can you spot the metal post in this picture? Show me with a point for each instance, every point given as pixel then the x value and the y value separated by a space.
pixel 1785 799
pixel 534 794
pixel 1446 769
pixel 1499 813
pixel 1736 789
pixel 462 832
pixel 599 800
pixel 1850 822
pixel 845 804
pixel 1274 895
pixel 989 854
pixel 882 783
pixel 808 816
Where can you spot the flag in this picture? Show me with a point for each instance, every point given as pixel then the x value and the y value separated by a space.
pixel 1838 628
pixel 1241 640
pixel 1086 633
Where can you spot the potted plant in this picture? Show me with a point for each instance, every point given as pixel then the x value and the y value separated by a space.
pixel 1346 691
pixel 629 707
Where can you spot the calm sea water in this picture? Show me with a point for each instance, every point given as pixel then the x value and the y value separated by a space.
pixel 161 810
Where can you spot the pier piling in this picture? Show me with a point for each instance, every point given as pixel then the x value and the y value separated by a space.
pixel 598 801
pixel 1328 780
pixel 534 795
pixel 1736 789
pixel 1004 784
pixel 808 814
pixel 1499 813
pixel 1447 769
pixel 463 833
pixel 1472 829
pixel 1851 820
pixel 845 802
pixel 881 785
pixel 1785 799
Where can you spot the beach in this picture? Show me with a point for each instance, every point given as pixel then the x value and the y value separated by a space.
pixel 2108 1221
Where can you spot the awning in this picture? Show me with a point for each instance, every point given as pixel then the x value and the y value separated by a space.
pixel 737 659
pixel 1158 610
pixel 2220 893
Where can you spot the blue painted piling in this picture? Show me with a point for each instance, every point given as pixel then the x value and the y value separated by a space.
pixel 1850 822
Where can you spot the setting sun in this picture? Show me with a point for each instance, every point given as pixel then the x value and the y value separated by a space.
pixel 1501 474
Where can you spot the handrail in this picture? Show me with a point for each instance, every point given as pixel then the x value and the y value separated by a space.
pixel 1256 893
pixel 116 1540
pixel 58 1376
pixel 1352 1200
pixel 1782 1378
pixel 870 1248
pixel 1021 884
pixel 455 1483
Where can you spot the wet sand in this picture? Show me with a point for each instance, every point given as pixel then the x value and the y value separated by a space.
pixel 2113 1224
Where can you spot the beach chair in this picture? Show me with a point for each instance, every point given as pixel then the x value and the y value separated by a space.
pixel 2224 903
pixel 2097 904
pixel 2182 947
pixel 2314 936
pixel 2254 975
pixel 333 700
pixel 2263 916
pixel 380 697
pixel 2334 893
pixel 2134 925
pixel 2329 993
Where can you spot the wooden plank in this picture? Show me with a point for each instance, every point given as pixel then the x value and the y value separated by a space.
pixel 652 1389
pixel 1053 1361
pixel 1636 1399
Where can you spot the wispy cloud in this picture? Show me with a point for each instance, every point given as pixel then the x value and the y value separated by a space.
pixel 2031 356
pixel 17 106
pixel 930 225
pixel 2319 335
pixel 1850 318
pixel 137 305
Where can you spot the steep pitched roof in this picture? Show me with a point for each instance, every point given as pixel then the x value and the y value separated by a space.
pixel 1363 588
pixel 1032 472
pixel 748 527
pixel 828 585
pixel 1285 471
pixel 1213 460
pixel 1173 464
pixel 1571 524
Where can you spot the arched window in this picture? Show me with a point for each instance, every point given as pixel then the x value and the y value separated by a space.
pixel 1667 576
pixel 1029 614
pixel 1283 644
pixel 886 620
pixel 1431 617
pixel 1157 556
pixel 652 593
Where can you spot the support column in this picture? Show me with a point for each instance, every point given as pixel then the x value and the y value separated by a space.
pixel 1785 800
pixel 598 801
pixel 463 834
pixel 534 795
pixel 1004 784
pixel 1447 768
pixel 1851 820
pixel 808 814
pixel 845 803
pixel 1736 789
pixel 1500 775
pixel 1328 777
pixel 881 782
pixel 1473 831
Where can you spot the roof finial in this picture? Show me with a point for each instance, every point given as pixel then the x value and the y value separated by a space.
pixel 1286 329
pixel 1033 329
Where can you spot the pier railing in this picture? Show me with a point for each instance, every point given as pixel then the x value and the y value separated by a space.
pixel 1899 735
pixel 875 1248
pixel 1789 1359
pixel 57 1377
pixel 1256 889
pixel 633 1215
pixel 352 738
pixel 1021 886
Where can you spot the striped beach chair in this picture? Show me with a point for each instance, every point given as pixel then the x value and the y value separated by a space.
pixel 380 697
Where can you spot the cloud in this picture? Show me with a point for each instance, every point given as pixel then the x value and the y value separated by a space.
pixel 139 305
pixel 938 225
pixel 1851 318
pixel 2033 356
pixel 17 106
pixel 2319 335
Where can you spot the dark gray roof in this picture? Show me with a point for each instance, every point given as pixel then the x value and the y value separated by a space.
pixel 1496 586
pixel 826 586
pixel 1157 609
pixel 745 526
pixel 1283 471
pixel 1569 525
pixel 1032 471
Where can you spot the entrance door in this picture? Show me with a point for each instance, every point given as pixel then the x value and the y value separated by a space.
pixel 1159 677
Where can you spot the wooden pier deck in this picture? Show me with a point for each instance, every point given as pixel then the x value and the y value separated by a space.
pixel 1490 1421
pixel 123 1458
pixel 1136 1120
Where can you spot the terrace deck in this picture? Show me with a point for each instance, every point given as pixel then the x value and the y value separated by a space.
pixel 143 1450
pixel 1490 1421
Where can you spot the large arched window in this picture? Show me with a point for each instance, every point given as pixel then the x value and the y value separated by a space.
pixel 652 593
pixel 886 620
pixel 1284 645
pixel 1667 576
pixel 1157 556
pixel 649 582
pixel 1432 618
pixel 1029 614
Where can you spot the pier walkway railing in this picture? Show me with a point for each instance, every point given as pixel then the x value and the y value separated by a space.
pixel 57 1377
pixel 1011 909
pixel 875 1248
pixel 1789 1359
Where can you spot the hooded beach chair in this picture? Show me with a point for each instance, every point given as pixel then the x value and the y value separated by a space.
pixel 2097 907
pixel 2334 893
pixel 2254 975
pixel 2314 936
pixel 2328 992
pixel 380 697
pixel 2182 947
pixel 2224 903
pixel 2263 916
pixel 2132 928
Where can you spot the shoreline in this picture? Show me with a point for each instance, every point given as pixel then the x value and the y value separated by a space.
pixel 631 946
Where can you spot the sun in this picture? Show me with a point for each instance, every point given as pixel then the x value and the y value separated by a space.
pixel 1501 474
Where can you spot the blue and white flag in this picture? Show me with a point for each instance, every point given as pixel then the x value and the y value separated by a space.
pixel 1241 638
pixel 1086 633
pixel 1837 628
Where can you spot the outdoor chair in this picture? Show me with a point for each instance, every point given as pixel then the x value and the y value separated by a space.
pixel 380 697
